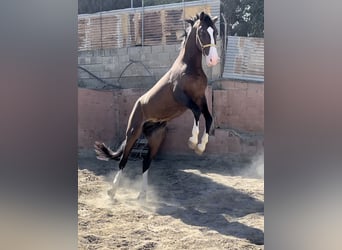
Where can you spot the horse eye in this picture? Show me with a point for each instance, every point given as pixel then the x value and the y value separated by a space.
pixel 204 32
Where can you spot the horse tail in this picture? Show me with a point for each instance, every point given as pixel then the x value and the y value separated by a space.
pixel 104 153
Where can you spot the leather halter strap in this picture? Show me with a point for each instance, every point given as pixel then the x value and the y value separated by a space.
pixel 201 44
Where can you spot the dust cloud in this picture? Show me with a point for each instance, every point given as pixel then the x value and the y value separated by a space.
pixel 255 168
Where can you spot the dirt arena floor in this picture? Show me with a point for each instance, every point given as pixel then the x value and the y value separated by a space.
pixel 194 203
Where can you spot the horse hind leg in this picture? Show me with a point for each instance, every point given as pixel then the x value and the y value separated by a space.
pixel 130 141
pixel 146 164
pixel 111 192
pixel 134 130
pixel 155 135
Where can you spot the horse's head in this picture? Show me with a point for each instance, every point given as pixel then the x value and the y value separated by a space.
pixel 206 33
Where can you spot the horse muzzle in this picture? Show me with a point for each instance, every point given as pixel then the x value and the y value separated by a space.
pixel 212 58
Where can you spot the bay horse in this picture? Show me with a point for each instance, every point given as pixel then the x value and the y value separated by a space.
pixel 181 88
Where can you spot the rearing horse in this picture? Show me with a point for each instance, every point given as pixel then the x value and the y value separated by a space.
pixel 182 87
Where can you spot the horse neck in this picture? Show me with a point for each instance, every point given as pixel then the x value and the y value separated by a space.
pixel 190 53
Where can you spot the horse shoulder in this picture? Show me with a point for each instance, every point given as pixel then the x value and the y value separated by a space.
pixel 157 89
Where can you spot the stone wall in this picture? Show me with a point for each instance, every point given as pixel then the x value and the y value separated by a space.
pixel 132 67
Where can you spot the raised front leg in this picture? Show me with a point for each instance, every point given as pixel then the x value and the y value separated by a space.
pixel 208 121
pixel 196 109
pixel 193 140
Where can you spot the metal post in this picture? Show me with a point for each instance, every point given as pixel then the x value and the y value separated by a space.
pixel 225 41
pixel 101 23
pixel 183 14
pixel 142 25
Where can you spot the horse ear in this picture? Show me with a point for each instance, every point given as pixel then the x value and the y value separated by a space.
pixel 201 17
pixel 214 19
pixel 189 21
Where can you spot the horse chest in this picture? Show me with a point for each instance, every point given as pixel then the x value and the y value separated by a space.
pixel 195 86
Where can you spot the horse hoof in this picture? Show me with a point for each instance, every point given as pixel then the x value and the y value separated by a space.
pixel 198 150
pixel 191 144
pixel 111 192
pixel 142 196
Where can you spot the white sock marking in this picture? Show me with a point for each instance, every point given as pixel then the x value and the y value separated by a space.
pixel 195 131
pixel 144 181
pixel 204 141
pixel 117 178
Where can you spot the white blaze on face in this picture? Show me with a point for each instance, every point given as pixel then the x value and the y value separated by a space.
pixel 212 58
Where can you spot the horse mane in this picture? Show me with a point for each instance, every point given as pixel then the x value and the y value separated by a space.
pixel 185 35
pixel 201 16
pixel 192 21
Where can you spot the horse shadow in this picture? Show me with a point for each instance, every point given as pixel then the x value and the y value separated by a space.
pixel 199 201
pixel 184 192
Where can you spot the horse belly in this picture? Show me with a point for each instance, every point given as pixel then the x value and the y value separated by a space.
pixel 162 107
pixel 172 112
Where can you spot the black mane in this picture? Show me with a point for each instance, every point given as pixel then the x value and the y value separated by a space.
pixel 201 16
pixel 192 21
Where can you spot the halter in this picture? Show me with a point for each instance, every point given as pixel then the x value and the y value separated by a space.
pixel 201 44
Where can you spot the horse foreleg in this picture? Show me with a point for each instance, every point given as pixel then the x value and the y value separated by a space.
pixel 208 121
pixel 193 140
pixel 201 147
pixel 184 99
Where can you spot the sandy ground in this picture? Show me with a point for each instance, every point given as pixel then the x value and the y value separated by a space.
pixel 191 204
